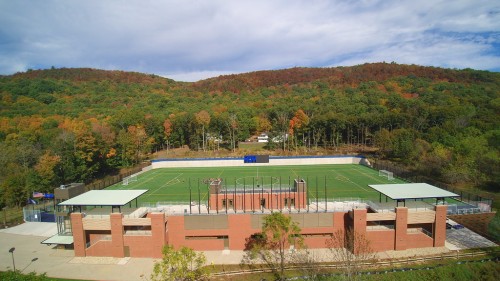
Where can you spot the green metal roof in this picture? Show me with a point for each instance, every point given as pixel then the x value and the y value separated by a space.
pixel 59 239
pixel 412 191
pixel 104 198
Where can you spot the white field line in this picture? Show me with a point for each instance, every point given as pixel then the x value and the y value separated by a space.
pixel 138 184
pixel 377 179
pixel 348 180
pixel 167 184
pixel 218 176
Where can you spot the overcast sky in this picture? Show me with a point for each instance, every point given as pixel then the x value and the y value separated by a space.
pixel 192 40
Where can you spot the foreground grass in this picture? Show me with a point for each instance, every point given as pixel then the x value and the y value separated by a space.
pixel 487 271
pixel 17 276
pixel 486 267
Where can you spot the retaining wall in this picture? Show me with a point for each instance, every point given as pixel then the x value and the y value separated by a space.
pixel 273 161
pixel 475 222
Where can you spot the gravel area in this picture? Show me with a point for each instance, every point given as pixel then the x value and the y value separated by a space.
pixel 413 253
pixel 98 260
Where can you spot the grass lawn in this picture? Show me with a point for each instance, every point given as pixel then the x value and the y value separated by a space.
pixel 338 181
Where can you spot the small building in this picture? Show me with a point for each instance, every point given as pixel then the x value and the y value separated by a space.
pixel 64 236
pixel 263 138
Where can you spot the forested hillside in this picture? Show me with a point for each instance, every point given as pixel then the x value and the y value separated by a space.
pixel 63 125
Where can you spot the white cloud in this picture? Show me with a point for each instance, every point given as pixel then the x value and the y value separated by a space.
pixel 219 37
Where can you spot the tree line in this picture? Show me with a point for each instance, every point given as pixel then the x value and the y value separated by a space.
pixel 64 125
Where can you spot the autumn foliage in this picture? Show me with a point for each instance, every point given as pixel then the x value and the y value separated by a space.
pixel 63 125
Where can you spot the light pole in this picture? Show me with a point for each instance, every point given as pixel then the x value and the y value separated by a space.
pixel 12 252
pixel 32 260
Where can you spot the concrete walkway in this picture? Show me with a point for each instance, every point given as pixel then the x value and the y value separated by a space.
pixel 62 263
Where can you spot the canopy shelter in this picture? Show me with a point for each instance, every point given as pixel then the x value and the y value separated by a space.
pixel 404 191
pixel 113 198
pixel 59 239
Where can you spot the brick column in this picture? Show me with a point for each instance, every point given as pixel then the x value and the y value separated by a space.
pixel 176 231
pixel 240 228
pixel 158 232
pixel 79 242
pixel 439 231
pixel 117 245
pixel 359 221
pixel 359 226
pixel 401 228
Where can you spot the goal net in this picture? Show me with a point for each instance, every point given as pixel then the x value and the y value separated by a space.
pixel 385 173
pixel 129 179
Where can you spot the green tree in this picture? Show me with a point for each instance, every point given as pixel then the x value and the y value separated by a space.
pixel 276 245
pixel 182 264
pixel 383 141
pixel 403 144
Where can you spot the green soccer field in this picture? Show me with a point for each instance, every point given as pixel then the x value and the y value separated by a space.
pixel 331 181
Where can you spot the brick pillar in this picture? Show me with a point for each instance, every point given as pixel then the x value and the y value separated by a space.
pixel 79 242
pixel 359 226
pixel 117 245
pixel 176 231
pixel 240 228
pixel 211 201
pixel 439 227
pixel 359 221
pixel 401 228
pixel 158 231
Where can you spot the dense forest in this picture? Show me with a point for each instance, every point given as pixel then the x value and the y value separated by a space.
pixel 64 125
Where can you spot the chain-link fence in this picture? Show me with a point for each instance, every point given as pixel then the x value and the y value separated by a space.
pixel 474 202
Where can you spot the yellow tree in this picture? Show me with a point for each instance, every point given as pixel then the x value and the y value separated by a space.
pixel 203 119
pixel 232 124
pixel 45 168
pixel 263 124
pixel 183 264
pixel 142 143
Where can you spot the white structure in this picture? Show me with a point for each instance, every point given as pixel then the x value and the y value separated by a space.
pixel 263 138
pixel 273 161
pixel 384 173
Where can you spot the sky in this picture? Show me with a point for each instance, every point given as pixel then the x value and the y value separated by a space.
pixel 190 40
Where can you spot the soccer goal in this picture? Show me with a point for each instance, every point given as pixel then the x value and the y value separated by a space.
pixel 385 173
pixel 129 179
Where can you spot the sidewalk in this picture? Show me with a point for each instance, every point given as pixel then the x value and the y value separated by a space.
pixel 62 263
